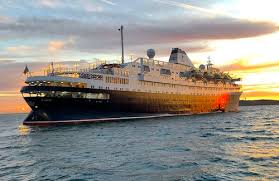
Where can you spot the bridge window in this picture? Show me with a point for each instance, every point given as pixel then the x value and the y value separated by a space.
pixel 165 72
pixel 90 76
pixel 146 68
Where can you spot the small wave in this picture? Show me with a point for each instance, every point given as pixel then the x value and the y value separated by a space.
pixel 12 147
pixel 257 138
pixel 248 173
pixel 154 166
pixel 255 131
pixel 264 158
pixel 207 177
pixel 10 168
pixel 175 149
pixel 184 165
pixel 77 179
pixel 229 129
pixel 207 135
pixel 257 159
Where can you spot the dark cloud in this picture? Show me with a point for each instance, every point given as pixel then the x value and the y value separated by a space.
pixel 90 36
pixel 165 49
pixel 147 24
pixel 166 30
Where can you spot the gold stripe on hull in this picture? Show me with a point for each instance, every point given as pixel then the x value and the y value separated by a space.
pixel 175 103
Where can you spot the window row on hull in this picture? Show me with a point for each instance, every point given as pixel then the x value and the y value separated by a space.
pixel 117 80
pixel 67 94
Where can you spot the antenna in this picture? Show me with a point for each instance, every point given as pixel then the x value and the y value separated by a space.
pixel 209 60
pixel 122 44
pixel 209 64
pixel 131 57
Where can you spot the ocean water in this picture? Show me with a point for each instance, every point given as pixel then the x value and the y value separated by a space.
pixel 223 146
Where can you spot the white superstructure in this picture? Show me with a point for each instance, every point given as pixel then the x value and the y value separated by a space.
pixel 142 75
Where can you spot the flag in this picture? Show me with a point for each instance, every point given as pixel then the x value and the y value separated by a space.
pixel 26 70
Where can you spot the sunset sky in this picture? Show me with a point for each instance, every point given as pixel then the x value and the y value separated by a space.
pixel 240 36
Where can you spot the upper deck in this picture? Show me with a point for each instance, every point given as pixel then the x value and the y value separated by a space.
pixel 143 75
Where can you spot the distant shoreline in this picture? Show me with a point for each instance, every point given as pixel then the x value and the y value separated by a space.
pixel 2 113
pixel 258 102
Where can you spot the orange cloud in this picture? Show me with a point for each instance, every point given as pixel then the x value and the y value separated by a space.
pixel 261 87
pixel 240 66
pixel 19 49
pixel 260 95
pixel 54 46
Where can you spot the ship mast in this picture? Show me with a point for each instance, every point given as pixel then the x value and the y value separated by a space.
pixel 209 64
pixel 122 44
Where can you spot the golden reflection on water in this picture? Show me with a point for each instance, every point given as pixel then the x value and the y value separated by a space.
pixel 258 155
pixel 264 144
pixel 257 150
pixel 23 130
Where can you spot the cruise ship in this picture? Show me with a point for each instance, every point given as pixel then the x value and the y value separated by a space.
pixel 144 87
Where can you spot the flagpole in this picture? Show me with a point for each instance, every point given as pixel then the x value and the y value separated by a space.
pixel 52 69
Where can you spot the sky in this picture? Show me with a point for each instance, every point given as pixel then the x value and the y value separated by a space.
pixel 241 37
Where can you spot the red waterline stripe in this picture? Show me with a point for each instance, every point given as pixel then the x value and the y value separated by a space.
pixel 97 120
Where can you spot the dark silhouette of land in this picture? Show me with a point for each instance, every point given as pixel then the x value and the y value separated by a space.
pixel 258 102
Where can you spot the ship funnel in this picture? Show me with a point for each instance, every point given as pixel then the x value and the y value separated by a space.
pixel 179 56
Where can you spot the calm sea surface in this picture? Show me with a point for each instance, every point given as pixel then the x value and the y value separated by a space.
pixel 224 146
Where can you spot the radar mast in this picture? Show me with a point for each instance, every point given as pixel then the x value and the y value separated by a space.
pixel 122 44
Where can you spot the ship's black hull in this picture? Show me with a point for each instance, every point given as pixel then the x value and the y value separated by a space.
pixel 72 111
pixel 127 104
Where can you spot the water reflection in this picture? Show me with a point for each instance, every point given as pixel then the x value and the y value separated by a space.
pixel 23 130
pixel 257 150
